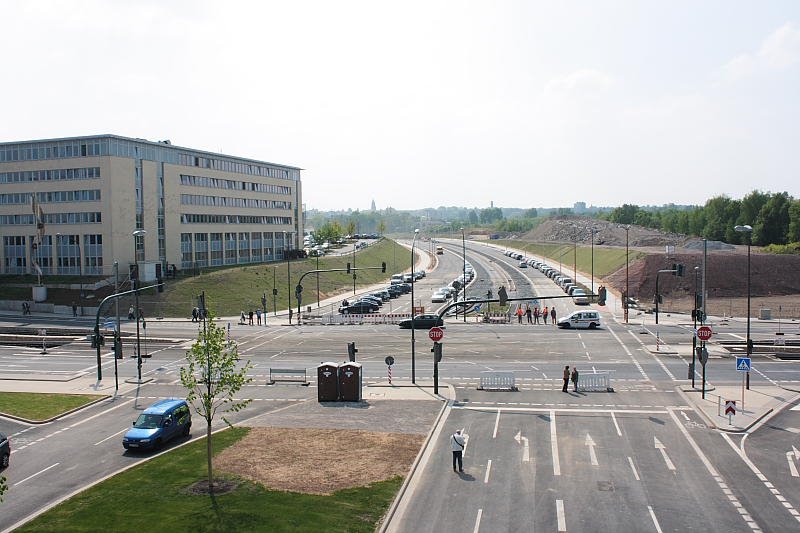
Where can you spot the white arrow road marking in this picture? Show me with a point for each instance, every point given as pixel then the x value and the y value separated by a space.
pixel 791 457
pixel 592 455
pixel 526 451
pixel 660 447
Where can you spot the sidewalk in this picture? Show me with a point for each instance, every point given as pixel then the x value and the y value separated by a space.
pixel 760 404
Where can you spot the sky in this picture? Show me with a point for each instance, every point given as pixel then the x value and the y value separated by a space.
pixel 431 103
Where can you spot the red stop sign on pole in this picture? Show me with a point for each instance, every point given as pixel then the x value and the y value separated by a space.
pixel 704 333
pixel 436 334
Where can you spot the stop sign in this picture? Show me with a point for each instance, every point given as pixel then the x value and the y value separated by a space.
pixel 704 333
pixel 436 334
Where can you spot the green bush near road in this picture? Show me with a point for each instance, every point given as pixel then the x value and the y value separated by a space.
pixel 41 406
pixel 154 496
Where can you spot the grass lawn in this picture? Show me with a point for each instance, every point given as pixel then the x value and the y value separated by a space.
pixel 36 406
pixel 607 259
pixel 153 497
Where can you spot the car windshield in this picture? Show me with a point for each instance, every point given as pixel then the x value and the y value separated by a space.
pixel 146 421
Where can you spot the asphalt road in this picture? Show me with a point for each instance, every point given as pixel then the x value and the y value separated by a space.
pixel 637 459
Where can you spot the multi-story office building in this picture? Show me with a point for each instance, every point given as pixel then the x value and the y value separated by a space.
pixel 72 205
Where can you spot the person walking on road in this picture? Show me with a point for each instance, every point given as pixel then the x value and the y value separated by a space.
pixel 74 309
pixel 258 316
pixel 545 314
pixel 457 443
pixel 574 377
pixel 250 317
pixel 566 379
pixel 519 314
pixel 195 313
pixel 528 313
pixel 535 315
pixel 553 315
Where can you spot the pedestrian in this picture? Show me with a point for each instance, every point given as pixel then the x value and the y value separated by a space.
pixel 519 314
pixel 545 314
pixel 457 443
pixel 566 379
pixel 130 313
pixel 574 377
pixel 195 313
pixel 553 315
pixel 242 319
pixel 291 313
pixel 74 309
pixel 528 313
pixel 258 316
pixel 250 317
pixel 535 315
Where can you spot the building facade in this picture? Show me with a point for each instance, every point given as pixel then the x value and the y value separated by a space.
pixel 71 206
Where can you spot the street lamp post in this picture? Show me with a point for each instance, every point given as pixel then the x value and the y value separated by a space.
pixel 626 300
pixel 288 276
pixel 749 230
pixel 413 349
pixel 137 234
pixel 575 254
pixel 594 230
pixel 354 267
pixel 694 323
pixel 464 278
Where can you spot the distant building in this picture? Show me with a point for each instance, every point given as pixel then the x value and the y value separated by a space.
pixel 70 205
pixel 579 207
pixel 372 207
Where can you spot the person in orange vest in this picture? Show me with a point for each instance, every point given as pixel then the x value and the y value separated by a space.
pixel 520 312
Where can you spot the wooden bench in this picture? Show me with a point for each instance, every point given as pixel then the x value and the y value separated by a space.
pixel 288 375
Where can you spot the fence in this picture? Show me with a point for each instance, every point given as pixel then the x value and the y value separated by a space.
pixel 497 381
pixel 600 381
pixel 372 318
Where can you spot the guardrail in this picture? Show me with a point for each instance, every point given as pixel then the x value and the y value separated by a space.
pixel 372 318
pixel 497 381
pixel 288 375
pixel 599 382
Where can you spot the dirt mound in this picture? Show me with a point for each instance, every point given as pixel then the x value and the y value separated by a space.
pixel 568 228
pixel 319 461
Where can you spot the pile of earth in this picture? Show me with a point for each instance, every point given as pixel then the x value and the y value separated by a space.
pixel 569 228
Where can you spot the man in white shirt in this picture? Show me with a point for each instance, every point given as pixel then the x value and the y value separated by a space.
pixel 457 443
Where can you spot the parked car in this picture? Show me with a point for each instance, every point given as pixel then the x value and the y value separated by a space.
pixel 422 322
pixel 158 424
pixel 580 319
pixel 407 278
pixel 439 297
pixel 5 451
pixel 523 264
pixel 358 308
pixel 396 279
pixel 394 291
pixel 579 297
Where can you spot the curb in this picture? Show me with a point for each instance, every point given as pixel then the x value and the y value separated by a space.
pixel 65 413
pixel 387 518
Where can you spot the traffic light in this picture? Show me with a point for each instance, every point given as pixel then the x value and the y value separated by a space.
pixel 117 346
pixel 680 270
pixel 674 269
pixel 160 284
pixel 502 295
pixel 351 351
pixel 383 267
pixel 98 340
pixel 601 295
pixel 348 268
pixel 437 351
pixel 298 289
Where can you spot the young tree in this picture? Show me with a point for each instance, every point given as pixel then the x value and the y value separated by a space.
pixel 213 379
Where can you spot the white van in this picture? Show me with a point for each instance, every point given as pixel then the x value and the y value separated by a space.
pixel 580 319
pixel 397 279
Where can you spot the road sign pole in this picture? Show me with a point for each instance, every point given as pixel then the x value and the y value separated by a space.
pixel 703 394
pixel 743 373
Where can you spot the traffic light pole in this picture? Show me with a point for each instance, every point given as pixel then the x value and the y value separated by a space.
pixel 298 290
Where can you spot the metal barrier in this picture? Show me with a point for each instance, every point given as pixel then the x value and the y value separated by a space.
pixel 372 318
pixel 294 375
pixel 497 381
pixel 600 381
pixel 495 318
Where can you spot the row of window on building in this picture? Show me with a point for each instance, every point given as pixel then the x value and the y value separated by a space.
pixel 204 218
pixel 55 254
pixel 231 248
pixel 46 197
pixel 58 174
pixel 226 201
pixel 52 218
pixel 236 185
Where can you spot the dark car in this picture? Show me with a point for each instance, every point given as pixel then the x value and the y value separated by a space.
pixel 394 291
pixel 5 451
pixel 422 322
pixel 358 308
pixel 406 287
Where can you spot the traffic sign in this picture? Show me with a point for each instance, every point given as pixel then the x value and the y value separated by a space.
pixel 702 353
pixel 730 407
pixel 743 364
pixel 436 334
pixel 704 333
pixel 389 360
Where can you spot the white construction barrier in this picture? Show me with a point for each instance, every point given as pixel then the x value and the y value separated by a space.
pixel 601 381
pixel 497 381
pixel 372 318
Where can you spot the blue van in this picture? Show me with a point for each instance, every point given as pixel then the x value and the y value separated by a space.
pixel 158 424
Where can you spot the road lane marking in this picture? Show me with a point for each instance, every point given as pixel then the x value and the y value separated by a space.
pixel 592 454
pixel 660 447
pixel 661 363
pixel 478 521
pixel 526 451
pixel 488 469
pixel 496 423
pixel 761 477
pixel 655 520
pixel 627 351
pixel 713 471
pixel 84 420
pixel 635 473
pixel 36 474
pixel 554 444
pixel 614 419
pixel 110 437
pixel 562 522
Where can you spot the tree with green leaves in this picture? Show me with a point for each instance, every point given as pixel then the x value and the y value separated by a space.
pixel 213 377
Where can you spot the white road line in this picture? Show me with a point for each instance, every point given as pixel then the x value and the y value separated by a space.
pixel 562 522
pixel 488 469
pixel 554 445
pixel 614 419
pixel 655 520
pixel 627 351
pixel 713 471
pixel 660 447
pixel 792 467
pixel 36 474
pixel 592 454
pixel 663 366
pixel 478 521
pixel 635 473
pixel 84 420
pixel 496 423
pixel 110 437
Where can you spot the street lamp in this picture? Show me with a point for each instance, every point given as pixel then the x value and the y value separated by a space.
pixel 354 267
pixel 694 325
pixel 464 277
pixel 749 230
pixel 137 234
pixel 594 230
pixel 575 254
pixel 413 350
pixel 288 276
pixel 626 300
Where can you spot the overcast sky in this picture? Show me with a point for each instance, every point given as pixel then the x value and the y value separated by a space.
pixel 423 104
